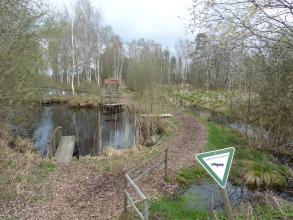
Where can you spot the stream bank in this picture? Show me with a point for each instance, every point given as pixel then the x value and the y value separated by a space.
pixel 202 197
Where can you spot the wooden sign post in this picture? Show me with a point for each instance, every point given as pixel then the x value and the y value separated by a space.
pixel 218 163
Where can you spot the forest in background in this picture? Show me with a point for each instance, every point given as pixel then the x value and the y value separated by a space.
pixel 241 47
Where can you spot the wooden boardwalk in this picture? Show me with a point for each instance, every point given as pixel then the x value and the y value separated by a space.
pixel 65 149
pixel 157 115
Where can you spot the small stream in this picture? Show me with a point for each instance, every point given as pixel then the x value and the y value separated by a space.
pixel 201 194
pixel 245 129
pixel 116 130
pixel 219 118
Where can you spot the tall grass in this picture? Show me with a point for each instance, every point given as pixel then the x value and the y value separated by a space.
pixel 143 107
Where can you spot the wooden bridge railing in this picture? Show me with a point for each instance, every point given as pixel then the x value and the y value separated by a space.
pixel 54 141
pixel 129 181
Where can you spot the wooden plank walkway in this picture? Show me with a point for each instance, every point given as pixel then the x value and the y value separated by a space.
pixel 65 149
pixel 157 115
pixel 113 104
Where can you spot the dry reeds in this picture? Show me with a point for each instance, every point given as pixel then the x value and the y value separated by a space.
pixel 266 176
pixel 21 168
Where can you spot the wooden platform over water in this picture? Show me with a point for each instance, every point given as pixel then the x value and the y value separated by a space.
pixel 112 107
pixel 65 149
pixel 157 115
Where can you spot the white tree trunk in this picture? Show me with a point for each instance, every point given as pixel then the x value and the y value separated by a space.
pixel 98 70
pixel 72 74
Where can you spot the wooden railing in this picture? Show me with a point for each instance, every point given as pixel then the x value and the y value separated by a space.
pixel 53 142
pixel 127 197
pixel 156 165
pixel 129 181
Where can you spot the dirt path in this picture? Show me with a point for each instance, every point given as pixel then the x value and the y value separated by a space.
pixel 84 194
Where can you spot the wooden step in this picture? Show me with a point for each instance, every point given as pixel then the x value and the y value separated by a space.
pixel 65 149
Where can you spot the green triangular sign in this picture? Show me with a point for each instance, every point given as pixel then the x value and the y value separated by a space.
pixel 217 163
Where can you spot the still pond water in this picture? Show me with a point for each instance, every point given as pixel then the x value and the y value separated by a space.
pixel 90 126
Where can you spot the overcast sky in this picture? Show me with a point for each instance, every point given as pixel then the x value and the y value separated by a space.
pixel 151 19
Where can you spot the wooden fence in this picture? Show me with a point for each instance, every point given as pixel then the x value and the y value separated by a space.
pixel 54 141
pixel 131 182
pixel 127 197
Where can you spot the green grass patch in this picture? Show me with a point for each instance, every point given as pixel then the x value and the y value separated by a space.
pixel 41 172
pixel 250 166
pixel 189 175
pixel 179 208
pixel 266 175
pixel 176 208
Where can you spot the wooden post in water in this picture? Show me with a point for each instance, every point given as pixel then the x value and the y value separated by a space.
pixel 166 164
pixel 99 133
pixel 134 135
pixel 227 204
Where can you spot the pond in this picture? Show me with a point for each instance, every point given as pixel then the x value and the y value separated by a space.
pixel 90 126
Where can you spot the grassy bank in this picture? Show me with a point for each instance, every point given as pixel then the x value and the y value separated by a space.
pixel 230 103
pixel 74 101
pixel 83 87
pixel 250 167
pixel 219 100
pixel 23 174
pixel 179 208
